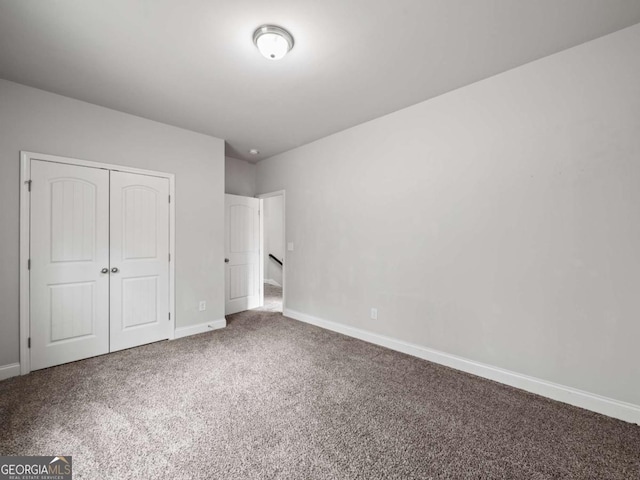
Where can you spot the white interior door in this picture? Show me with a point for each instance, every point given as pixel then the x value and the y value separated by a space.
pixel 69 281
pixel 243 286
pixel 139 260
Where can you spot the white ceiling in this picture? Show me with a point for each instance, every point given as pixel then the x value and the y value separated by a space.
pixel 192 63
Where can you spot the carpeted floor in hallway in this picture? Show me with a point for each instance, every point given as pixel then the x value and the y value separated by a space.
pixel 272 298
pixel 269 397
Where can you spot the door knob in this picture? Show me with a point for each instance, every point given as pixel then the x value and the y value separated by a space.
pixel 114 270
pixel 105 270
pixel 226 260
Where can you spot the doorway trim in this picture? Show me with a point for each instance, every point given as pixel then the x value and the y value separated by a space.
pixel 277 193
pixel 25 235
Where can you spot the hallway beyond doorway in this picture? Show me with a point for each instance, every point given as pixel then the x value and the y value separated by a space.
pixel 272 298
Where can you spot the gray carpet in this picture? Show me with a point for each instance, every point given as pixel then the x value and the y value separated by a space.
pixel 272 298
pixel 269 397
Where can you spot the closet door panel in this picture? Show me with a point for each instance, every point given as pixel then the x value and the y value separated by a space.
pixel 69 251
pixel 139 260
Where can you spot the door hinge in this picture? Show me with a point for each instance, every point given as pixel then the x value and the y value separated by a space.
pixel 169 257
pixel 169 315
pixel 29 342
pixel 29 264
pixel 28 182
pixel 169 198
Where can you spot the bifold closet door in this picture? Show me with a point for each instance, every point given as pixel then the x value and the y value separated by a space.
pixel 69 250
pixel 139 260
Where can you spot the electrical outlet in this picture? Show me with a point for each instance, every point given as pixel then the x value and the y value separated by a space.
pixel 202 306
pixel 374 314
pixel 290 246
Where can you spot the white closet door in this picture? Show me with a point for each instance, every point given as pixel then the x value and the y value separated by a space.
pixel 243 284
pixel 69 291
pixel 139 260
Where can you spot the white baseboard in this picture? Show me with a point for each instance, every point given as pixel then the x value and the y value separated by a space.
pixel 579 398
pixel 200 328
pixel 8 371
pixel 271 281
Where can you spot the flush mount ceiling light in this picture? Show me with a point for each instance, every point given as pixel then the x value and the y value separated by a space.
pixel 273 42
pixel 254 151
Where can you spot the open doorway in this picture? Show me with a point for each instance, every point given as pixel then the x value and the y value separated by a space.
pixel 273 250
pixel 255 253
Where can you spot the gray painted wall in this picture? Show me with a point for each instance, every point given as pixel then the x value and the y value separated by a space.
pixel 498 222
pixel 42 122
pixel 240 177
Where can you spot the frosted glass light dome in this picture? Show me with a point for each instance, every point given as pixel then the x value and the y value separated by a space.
pixel 273 42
